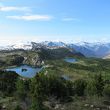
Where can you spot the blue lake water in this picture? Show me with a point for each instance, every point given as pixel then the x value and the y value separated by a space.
pixel 25 70
pixel 70 60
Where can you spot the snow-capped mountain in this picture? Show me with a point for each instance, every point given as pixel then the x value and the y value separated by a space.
pixel 96 49
pixel 93 49
pixel 21 45
pixel 53 44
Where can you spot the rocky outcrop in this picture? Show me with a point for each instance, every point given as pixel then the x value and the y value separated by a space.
pixel 36 61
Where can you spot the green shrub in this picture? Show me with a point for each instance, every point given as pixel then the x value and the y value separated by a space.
pixel 91 88
pixel 8 82
pixel 22 89
pixel 99 84
pixel 79 87
pixel 106 91
pixel 17 108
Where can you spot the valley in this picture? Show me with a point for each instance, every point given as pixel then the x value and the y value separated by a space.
pixel 70 80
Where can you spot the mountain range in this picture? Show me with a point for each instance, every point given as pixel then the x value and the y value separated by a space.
pixel 97 49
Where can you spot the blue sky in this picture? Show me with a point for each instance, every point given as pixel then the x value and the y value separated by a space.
pixel 64 20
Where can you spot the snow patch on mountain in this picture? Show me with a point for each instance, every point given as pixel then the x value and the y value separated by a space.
pixel 96 49
pixel 20 45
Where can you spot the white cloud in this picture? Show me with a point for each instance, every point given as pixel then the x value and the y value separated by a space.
pixel 12 8
pixel 32 17
pixel 70 19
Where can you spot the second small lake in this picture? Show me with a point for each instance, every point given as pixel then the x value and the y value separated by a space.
pixel 70 60
pixel 25 70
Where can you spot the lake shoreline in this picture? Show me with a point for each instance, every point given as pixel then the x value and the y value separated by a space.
pixel 30 71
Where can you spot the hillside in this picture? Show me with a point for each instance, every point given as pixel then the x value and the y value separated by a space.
pixel 62 85
pixel 97 49
pixel 59 53
pixel 35 56
pixel 80 85
pixel 18 57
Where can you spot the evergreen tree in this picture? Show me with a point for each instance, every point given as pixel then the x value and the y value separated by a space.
pixel 99 84
pixel 21 89
pixel 91 88
pixel 79 86
pixel 37 93
pixel 106 91
pixel 8 82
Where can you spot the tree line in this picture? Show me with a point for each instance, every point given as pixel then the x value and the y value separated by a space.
pixel 40 88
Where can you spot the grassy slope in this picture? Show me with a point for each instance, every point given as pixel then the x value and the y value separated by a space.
pixel 7 57
pixel 84 68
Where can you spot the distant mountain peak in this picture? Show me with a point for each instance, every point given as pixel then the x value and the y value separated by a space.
pixel 95 49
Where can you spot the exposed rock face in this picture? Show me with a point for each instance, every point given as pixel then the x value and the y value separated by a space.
pixel 36 55
pixel 25 59
pixel 10 58
pixel 36 61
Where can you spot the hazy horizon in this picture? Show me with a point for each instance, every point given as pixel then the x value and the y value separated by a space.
pixel 26 42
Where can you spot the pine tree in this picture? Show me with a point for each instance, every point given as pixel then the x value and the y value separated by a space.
pixel 99 83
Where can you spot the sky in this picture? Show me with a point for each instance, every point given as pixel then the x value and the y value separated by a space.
pixel 55 20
